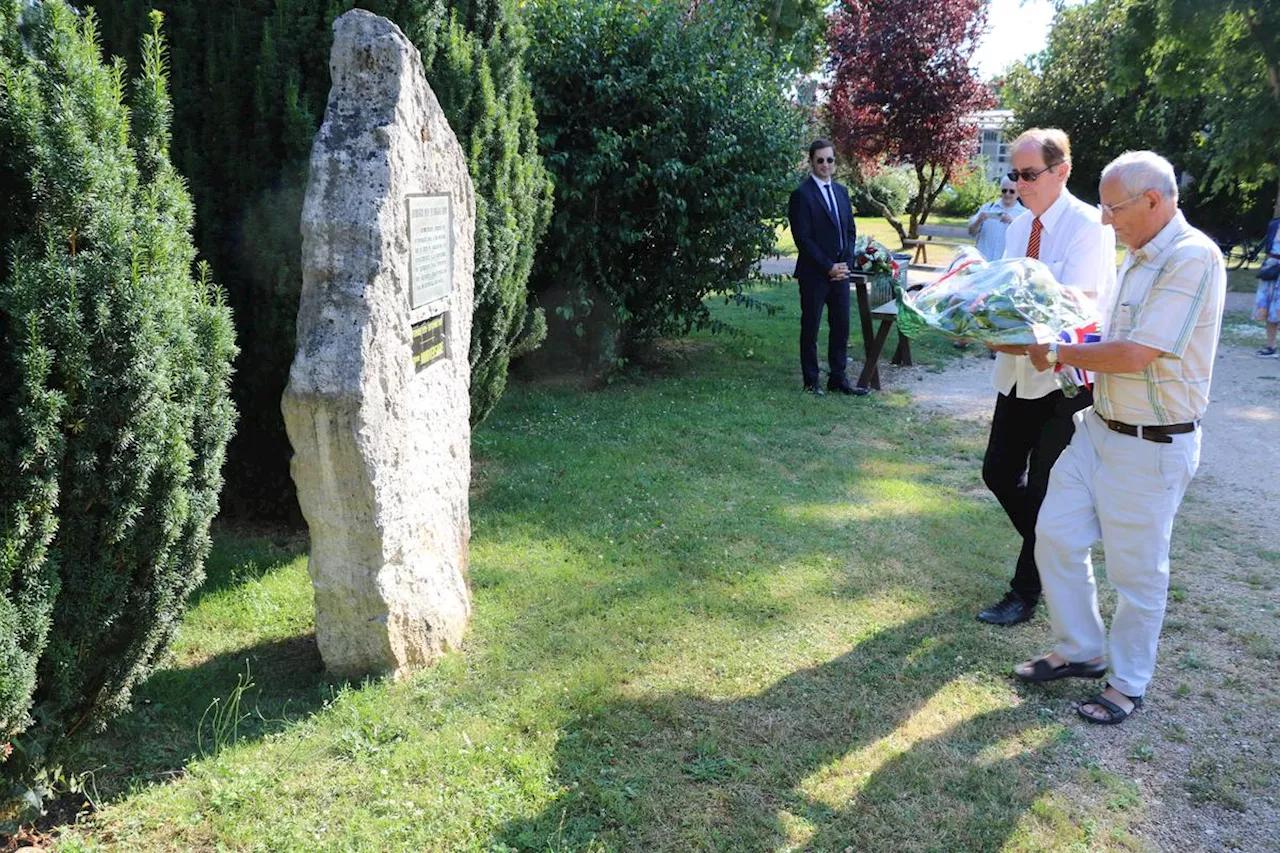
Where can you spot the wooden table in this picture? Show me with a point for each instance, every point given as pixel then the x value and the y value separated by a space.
pixel 873 339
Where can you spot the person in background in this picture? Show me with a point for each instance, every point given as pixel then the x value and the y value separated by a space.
pixel 992 220
pixel 1266 307
pixel 1123 476
pixel 1032 420
pixel 821 219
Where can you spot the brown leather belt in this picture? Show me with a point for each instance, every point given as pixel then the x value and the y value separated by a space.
pixel 1158 434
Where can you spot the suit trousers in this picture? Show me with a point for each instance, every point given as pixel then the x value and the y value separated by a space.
pixel 1126 491
pixel 1026 438
pixel 814 295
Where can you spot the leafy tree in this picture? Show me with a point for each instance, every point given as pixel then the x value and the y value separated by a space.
pixel 1226 52
pixel 1102 78
pixel 792 30
pixel 1071 85
pixel 970 189
pixel 883 188
pixel 902 86
pixel 672 145
pixel 250 82
pixel 115 367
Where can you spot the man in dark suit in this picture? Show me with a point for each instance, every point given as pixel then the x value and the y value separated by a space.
pixel 822 226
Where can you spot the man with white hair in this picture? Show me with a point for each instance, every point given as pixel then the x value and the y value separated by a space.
pixel 1123 476
pixel 992 220
pixel 1032 419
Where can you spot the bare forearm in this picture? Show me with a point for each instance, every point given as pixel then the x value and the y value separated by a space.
pixel 1108 356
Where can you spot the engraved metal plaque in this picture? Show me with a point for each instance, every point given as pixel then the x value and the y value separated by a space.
pixel 431 248
pixel 428 342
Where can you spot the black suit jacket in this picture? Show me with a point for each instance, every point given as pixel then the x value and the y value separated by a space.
pixel 815 231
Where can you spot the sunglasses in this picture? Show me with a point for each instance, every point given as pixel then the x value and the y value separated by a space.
pixel 1008 192
pixel 824 159
pixel 1028 175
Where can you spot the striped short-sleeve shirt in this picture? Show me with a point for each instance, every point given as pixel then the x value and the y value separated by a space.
pixel 1170 297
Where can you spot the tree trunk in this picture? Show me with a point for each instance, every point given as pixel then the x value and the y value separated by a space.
pixel 915 202
pixel 928 190
pixel 892 220
pixel 937 191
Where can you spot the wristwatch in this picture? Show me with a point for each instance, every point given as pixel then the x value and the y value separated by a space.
pixel 1052 355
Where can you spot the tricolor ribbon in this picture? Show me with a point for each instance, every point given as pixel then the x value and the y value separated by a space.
pixel 1084 335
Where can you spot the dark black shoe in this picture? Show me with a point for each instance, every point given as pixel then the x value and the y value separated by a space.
pixel 846 388
pixel 1010 610
pixel 815 390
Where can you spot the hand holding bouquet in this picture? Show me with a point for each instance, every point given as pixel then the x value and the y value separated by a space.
pixel 1013 302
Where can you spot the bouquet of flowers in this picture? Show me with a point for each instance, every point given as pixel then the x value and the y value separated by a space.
pixel 872 258
pixel 875 261
pixel 1015 302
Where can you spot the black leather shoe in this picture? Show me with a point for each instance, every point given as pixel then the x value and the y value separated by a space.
pixel 846 388
pixel 815 390
pixel 1010 610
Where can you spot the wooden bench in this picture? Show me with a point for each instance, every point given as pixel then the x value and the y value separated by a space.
pixel 873 339
pixel 951 236
pixel 870 376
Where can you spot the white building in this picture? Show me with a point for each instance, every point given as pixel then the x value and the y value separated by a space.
pixel 993 142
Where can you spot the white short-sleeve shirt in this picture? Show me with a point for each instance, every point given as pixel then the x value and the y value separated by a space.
pixel 991 235
pixel 1171 296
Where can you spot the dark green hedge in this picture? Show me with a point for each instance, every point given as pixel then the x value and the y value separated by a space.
pixel 115 367
pixel 250 82
pixel 673 144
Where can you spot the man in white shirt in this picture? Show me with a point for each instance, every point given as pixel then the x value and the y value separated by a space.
pixel 992 220
pixel 1032 421
pixel 1134 453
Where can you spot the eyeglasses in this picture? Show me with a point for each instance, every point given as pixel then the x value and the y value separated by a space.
pixel 1110 209
pixel 1028 175
pixel 1008 192
pixel 824 159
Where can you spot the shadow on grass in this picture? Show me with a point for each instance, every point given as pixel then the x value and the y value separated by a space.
pixel 623 518
pixel 873 750
pixel 168 726
pixel 243 553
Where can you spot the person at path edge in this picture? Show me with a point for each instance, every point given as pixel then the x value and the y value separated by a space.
pixel 992 220
pixel 1123 476
pixel 1032 421
pixel 1266 305
pixel 822 225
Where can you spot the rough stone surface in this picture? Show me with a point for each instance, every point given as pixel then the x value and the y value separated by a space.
pixel 382 458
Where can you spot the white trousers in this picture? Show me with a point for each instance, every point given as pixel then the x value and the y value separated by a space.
pixel 1126 491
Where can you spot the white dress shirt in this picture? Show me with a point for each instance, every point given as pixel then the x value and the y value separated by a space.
pixel 828 193
pixel 1080 252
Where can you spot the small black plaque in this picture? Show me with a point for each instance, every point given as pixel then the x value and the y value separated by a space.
pixel 428 342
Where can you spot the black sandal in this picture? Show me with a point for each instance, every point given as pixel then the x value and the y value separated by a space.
pixel 1042 671
pixel 1115 714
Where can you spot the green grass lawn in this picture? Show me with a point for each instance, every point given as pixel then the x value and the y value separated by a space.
pixel 711 613
pixel 877 227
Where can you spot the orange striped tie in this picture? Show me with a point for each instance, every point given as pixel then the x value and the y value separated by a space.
pixel 1033 245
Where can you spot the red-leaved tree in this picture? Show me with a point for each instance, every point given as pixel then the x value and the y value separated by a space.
pixel 901 88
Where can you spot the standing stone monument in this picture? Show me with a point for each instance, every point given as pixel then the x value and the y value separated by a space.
pixel 377 407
